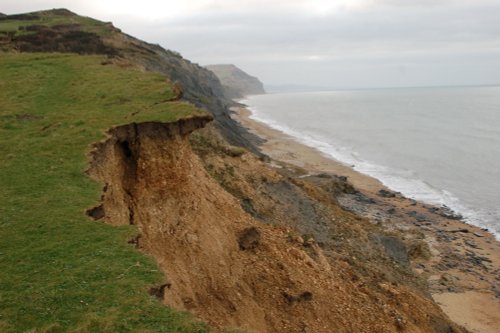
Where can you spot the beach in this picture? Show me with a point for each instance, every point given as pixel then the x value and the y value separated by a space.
pixel 460 262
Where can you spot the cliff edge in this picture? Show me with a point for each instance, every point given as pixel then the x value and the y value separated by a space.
pixel 225 265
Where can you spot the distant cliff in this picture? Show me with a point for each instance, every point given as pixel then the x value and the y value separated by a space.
pixel 236 83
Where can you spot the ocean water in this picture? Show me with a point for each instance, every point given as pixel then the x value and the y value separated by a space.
pixel 436 145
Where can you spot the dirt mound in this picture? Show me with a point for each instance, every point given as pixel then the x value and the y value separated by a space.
pixel 224 265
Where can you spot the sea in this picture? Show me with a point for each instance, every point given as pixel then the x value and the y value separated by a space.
pixel 436 145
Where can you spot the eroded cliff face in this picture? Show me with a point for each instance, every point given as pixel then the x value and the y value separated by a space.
pixel 224 265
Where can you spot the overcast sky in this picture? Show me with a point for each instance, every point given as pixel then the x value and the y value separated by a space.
pixel 329 43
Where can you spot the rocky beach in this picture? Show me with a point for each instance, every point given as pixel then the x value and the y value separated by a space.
pixel 460 262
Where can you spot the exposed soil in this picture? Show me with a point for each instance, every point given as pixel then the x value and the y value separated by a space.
pixel 292 261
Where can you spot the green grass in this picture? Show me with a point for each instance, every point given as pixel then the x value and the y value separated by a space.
pixel 60 271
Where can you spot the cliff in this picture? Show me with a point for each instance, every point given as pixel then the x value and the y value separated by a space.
pixel 62 273
pixel 231 269
pixel 236 83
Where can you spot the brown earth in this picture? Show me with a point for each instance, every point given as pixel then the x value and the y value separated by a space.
pixel 243 246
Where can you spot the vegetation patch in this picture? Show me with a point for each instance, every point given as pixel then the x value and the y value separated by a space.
pixel 52 21
pixel 61 38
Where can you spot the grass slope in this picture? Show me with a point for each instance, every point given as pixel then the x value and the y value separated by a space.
pixel 60 271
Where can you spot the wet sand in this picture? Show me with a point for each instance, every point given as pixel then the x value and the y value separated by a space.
pixel 463 271
pixel 468 310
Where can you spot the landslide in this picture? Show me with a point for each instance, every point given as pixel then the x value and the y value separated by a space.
pixel 239 262
pixel 62 31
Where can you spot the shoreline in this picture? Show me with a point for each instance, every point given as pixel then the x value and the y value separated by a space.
pixel 464 265
pixel 413 187
pixel 282 147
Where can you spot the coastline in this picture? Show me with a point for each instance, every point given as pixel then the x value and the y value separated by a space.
pixel 463 265
pixel 282 147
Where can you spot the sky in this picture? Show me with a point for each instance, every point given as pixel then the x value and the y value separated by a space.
pixel 337 44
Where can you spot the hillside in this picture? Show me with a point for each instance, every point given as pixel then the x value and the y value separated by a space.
pixel 236 83
pixel 124 210
pixel 61 30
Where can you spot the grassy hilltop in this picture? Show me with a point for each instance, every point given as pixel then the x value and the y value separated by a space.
pixel 59 270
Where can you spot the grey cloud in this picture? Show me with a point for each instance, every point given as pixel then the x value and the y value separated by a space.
pixel 384 42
